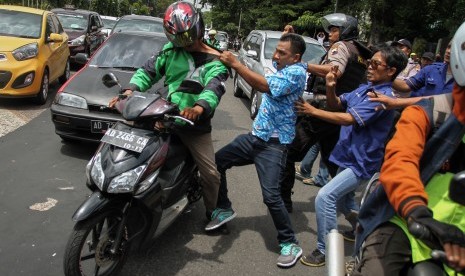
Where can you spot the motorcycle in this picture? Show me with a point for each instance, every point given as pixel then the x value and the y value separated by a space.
pixel 142 178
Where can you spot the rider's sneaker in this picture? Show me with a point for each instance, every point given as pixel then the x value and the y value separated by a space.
pixel 298 173
pixel 220 217
pixel 290 253
pixel 316 258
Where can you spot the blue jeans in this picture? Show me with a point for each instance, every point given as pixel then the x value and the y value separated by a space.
pixel 269 159
pixel 307 163
pixel 322 178
pixel 309 158
pixel 337 195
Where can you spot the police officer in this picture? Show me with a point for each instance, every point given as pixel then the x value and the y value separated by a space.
pixel 350 57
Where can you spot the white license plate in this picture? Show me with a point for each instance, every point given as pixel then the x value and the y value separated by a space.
pixel 125 140
pixel 100 126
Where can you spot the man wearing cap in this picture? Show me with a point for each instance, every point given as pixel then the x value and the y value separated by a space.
pixel 426 59
pixel 431 80
pixel 412 67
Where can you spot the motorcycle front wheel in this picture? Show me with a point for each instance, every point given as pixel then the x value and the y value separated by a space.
pixel 88 249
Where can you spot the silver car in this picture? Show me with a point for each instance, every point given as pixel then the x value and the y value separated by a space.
pixel 256 53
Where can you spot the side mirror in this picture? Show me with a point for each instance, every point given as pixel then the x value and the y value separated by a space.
pixel 55 38
pixel 191 86
pixel 252 54
pixel 110 80
pixel 81 58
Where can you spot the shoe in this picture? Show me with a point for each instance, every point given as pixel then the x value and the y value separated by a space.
pixel 290 253
pixel 348 235
pixel 309 181
pixel 350 266
pixel 298 173
pixel 220 217
pixel 316 258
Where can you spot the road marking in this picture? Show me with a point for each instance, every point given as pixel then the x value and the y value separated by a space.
pixel 44 206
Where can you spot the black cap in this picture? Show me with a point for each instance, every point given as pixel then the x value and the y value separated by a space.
pixel 404 42
pixel 428 55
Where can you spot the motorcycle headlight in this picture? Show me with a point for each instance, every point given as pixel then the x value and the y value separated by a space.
pixel 78 40
pixel 71 100
pixel 144 185
pixel 97 174
pixel 26 52
pixel 125 182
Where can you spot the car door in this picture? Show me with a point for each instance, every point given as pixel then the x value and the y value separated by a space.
pixel 248 60
pixel 52 49
pixel 95 34
pixel 63 49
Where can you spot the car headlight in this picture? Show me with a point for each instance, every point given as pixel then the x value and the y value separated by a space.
pixel 97 174
pixel 67 99
pixel 26 52
pixel 125 182
pixel 78 40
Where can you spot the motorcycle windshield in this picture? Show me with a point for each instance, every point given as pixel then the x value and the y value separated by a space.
pixel 145 105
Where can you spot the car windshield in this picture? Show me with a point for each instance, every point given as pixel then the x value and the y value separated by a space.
pixel 73 21
pixel 127 51
pixel 313 52
pixel 108 23
pixel 138 25
pixel 20 24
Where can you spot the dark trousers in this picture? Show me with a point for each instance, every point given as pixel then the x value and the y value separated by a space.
pixel 309 131
pixel 387 252
pixel 269 159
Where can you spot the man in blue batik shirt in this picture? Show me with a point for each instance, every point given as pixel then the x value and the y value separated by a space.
pixel 266 146
pixel 359 151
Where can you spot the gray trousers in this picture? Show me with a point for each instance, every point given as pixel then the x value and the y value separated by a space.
pixel 201 147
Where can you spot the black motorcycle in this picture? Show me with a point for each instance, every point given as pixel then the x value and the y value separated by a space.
pixel 142 178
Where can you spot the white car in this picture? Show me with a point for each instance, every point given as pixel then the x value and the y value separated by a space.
pixel 108 23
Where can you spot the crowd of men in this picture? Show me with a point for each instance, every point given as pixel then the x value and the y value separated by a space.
pixel 360 94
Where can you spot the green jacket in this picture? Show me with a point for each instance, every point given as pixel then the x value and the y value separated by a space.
pixel 176 64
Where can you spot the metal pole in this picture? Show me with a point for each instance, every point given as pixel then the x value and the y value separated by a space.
pixel 335 7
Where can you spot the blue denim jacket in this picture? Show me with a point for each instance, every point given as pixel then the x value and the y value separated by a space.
pixel 439 147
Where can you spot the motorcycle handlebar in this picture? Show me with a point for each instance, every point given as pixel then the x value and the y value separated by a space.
pixel 423 233
pixel 174 117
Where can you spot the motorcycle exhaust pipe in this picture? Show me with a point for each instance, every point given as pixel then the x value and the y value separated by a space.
pixel 335 261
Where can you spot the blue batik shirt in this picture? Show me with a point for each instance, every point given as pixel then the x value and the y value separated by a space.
pixel 361 146
pixel 431 80
pixel 276 115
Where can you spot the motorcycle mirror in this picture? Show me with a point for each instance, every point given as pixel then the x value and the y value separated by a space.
pixel 457 188
pixel 110 80
pixel 191 86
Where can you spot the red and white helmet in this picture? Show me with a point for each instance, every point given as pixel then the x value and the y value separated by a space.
pixel 183 24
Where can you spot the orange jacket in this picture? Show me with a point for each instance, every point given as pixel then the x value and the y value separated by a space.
pixel 400 172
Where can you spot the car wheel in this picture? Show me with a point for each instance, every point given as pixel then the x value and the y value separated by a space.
pixel 255 103
pixel 66 74
pixel 237 90
pixel 41 97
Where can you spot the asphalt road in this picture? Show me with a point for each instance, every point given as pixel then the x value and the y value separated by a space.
pixel 43 182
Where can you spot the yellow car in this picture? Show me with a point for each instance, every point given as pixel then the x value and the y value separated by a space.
pixel 33 52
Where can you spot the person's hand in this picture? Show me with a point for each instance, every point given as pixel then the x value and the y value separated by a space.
pixel 331 77
pixel 192 113
pixel 114 100
pixel 384 101
pixel 302 107
pixel 450 236
pixel 228 59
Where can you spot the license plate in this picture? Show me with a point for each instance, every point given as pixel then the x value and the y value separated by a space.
pixel 125 140
pixel 100 126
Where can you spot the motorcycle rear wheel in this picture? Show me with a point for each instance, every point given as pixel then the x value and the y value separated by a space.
pixel 88 248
